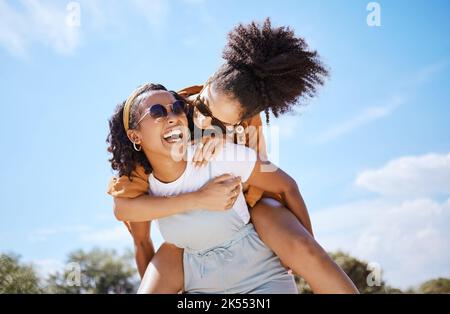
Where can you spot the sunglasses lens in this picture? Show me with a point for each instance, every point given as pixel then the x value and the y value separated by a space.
pixel 179 107
pixel 202 108
pixel 158 111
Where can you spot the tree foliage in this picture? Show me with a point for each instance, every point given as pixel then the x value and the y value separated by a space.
pixel 106 271
pixel 97 271
pixel 16 277
pixel 439 285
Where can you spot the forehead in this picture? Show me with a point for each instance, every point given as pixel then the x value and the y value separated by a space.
pixel 156 97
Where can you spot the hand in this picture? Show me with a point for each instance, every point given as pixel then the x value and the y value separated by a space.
pixel 219 193
pixel 207 149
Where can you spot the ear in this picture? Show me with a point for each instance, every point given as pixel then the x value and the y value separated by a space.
pixel 134 136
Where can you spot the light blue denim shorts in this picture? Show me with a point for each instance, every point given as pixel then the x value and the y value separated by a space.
pixel 240 266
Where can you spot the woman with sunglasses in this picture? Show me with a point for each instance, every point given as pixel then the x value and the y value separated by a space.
pixel 222 251
pixel 267 69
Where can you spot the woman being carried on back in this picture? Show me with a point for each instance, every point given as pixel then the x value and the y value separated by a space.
pixel 267 69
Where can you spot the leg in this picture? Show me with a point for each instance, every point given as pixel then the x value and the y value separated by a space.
pixel 143 246
pixel 165 272
pixel 285 235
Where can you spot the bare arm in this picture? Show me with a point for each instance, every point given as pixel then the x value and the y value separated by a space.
pixel 148 207
pixel 280 182
pixel 217 194
pixel 143 245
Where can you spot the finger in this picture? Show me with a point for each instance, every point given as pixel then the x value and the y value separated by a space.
pixel 232 183
pixel 211 148
pixel 223 177
pixel 233 199
pixel 233 189
pixel 198 153
pixel 218 147
pixel 217 143
pixel 232 196
pixel 231 202
pixel 205 139
pixel 207 152
pixel 237 190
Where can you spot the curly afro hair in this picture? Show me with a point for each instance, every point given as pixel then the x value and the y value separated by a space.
pixel 124 157
pixel 268 69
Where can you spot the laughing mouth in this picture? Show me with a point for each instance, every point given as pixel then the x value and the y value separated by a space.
pixel 174 135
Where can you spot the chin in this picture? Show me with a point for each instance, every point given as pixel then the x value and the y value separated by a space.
pixel 202 123
pixel 176 150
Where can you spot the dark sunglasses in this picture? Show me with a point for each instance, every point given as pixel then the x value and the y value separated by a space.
pixel 159 111
pixel 204 110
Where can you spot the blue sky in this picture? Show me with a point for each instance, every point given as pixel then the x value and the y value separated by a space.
pixel 371 153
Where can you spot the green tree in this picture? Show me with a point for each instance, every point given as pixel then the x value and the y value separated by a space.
pixel 16 277
pixel 439 285
pixel 97 271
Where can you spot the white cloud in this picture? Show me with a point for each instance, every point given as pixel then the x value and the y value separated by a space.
pixel 12 28
pixel 426 175
pixel 407 235
pixel 42 234
pixel 117 237
pixel 369 115
pixel 107 237
pixel 44 22
pixel 410 240
pixel 33 21
pixel 426 73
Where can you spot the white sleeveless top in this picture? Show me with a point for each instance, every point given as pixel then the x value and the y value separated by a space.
pixel 203 229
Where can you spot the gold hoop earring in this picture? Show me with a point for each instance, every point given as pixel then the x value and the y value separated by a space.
pixel 135 148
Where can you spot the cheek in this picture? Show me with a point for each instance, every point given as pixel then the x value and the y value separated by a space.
pixel 236 112
pixel 230 112
pixel 184 120
pixel 151 137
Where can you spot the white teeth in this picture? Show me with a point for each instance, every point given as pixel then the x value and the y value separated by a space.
pixel 177 133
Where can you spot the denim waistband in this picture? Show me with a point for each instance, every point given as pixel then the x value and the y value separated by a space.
pixel 221 250
pixel 243 232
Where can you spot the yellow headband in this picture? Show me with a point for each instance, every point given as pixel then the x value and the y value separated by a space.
pixel 127 107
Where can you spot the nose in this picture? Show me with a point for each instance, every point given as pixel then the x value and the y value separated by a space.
pixel 172 118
